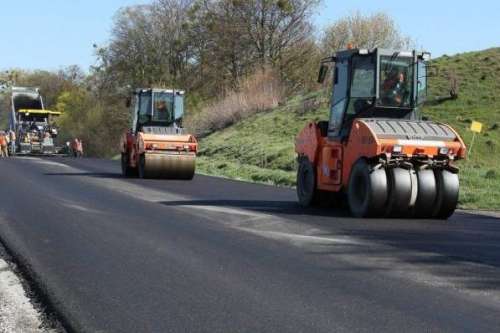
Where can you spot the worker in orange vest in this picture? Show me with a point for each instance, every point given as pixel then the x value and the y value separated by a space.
pixel 3 145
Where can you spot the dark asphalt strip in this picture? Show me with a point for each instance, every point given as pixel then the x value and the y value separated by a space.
pixel 447 238
pixel 116 263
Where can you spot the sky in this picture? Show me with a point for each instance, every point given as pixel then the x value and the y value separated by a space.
pixel 53 34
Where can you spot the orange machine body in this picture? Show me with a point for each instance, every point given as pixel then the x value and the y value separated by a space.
pixel 333 159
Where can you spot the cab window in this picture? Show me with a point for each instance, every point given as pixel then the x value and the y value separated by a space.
pixel 163 108
pixel 363 78
pixel 421 82
pixel 144 112
pixel 396 81
pixel 362 86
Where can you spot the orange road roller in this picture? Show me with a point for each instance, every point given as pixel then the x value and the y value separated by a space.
pixel 375 150
pixel 157 146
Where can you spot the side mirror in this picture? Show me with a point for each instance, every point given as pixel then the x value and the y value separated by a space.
pixel 322 73
pixel 128 102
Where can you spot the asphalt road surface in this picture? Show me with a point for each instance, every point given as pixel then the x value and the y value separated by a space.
pixel 214 255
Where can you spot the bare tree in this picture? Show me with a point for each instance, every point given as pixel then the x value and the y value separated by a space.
pixel 149 44
pixel 364 31
pixel 273 26
pixel 170 22
pixel 130 53
pixel 190 43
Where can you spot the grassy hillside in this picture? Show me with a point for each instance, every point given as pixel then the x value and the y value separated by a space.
pixel 260 148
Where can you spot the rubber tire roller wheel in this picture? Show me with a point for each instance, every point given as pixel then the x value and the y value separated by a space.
pixel 367 190
pixel 447 194
pixel 400 190
pixel 427 194
pixel 307 192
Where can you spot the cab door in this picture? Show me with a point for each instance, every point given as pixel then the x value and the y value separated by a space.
pixel 339 97
pixel 330 165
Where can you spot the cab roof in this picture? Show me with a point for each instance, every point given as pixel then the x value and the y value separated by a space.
pixel 347 53
pixel 38 111
pixel 156 90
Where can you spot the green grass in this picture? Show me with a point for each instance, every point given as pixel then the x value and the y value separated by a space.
pixel 479 187
pixel 261 148
pixel 236 170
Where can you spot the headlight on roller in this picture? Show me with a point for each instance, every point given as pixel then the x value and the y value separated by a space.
pixel 397 149
pixel 444 151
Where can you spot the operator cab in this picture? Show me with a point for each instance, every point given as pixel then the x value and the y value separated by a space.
pixel 158 110
pixel 38 121
pixel 374 84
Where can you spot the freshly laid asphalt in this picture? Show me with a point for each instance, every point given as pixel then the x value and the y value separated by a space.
pixel 212 255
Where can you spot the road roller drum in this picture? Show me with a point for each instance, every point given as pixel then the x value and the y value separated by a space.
pixel 167 166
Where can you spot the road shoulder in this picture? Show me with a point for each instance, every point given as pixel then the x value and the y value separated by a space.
pixel 18 311
pixel 17 314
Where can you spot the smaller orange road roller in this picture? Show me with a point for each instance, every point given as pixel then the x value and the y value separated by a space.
pixel 156 146
pixel 376 149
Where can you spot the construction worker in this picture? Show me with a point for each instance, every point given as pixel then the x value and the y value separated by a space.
pixel 3 145
pixel 80 148
pixel 77 147
pixel 7 138
pixel 12 136
pixel 395 90
pixel 74 147
pixel 33 126
pixel 162 113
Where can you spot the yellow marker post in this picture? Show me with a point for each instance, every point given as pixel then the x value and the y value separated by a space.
pixel 475 127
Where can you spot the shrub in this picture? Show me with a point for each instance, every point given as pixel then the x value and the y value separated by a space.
pixel 259 92
pixel 490 174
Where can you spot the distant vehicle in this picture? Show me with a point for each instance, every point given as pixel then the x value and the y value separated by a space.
pixel 157 146
pixel 33 124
